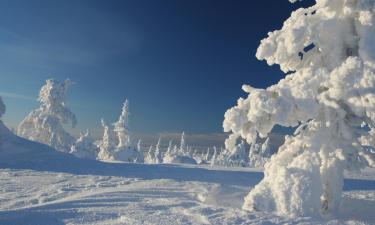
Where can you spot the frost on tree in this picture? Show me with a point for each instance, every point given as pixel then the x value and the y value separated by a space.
pixel 45 124
pixel 84 147
pixel 328 52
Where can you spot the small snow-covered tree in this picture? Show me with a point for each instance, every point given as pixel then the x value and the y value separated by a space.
pixel 150 155
pixel 107 144
pixel 328 51
pixel 235 157
pixel 182 144
pixel 45 124
pixel 179 155
pixel 157 158
pixel 117 144
pixel 208 155
pixel 169 149
pixel 121 127
pixel 259 153
pixel 84 147
pixel 214 157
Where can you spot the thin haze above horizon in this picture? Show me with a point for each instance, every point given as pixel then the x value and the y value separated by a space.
pixel 181 64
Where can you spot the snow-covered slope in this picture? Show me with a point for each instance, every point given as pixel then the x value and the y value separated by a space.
pixel 41 186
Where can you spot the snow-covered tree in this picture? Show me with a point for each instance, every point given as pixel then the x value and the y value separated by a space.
pixel 157 158
pixel 45 124
pixel 107 144
pixel 117 144
pixel 259 153
pixel 214 157
pixel 235 157
pixel 208 155
pixel 2 107
pixel 329 55
pixel 121 127
pixel 84 147
pixel 170 148
pixel 182 144
pixel 139 145
pixel 150 155
pixel 125 150
pixel 179 155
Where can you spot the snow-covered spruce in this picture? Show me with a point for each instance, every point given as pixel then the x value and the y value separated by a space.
pixel 328 50
pixel 45 124
pixel 117 144
pixel 84 147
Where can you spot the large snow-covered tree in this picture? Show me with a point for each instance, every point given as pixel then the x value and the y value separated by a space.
pixel 45 124
pixel 328 52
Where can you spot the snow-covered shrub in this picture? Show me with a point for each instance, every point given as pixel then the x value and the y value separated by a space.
pixel 84 147
pixel 328 50
pixel 45 124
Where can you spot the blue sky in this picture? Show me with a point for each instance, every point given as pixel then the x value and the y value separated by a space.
pixel 180 63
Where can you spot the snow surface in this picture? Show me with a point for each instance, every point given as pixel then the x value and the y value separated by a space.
pixel 41 186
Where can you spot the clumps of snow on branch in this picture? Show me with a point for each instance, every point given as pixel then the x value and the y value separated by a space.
pixel 45 124
pixel 328 50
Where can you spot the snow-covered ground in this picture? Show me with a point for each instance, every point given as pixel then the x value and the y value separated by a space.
pixel 152 194
pixel 41 186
